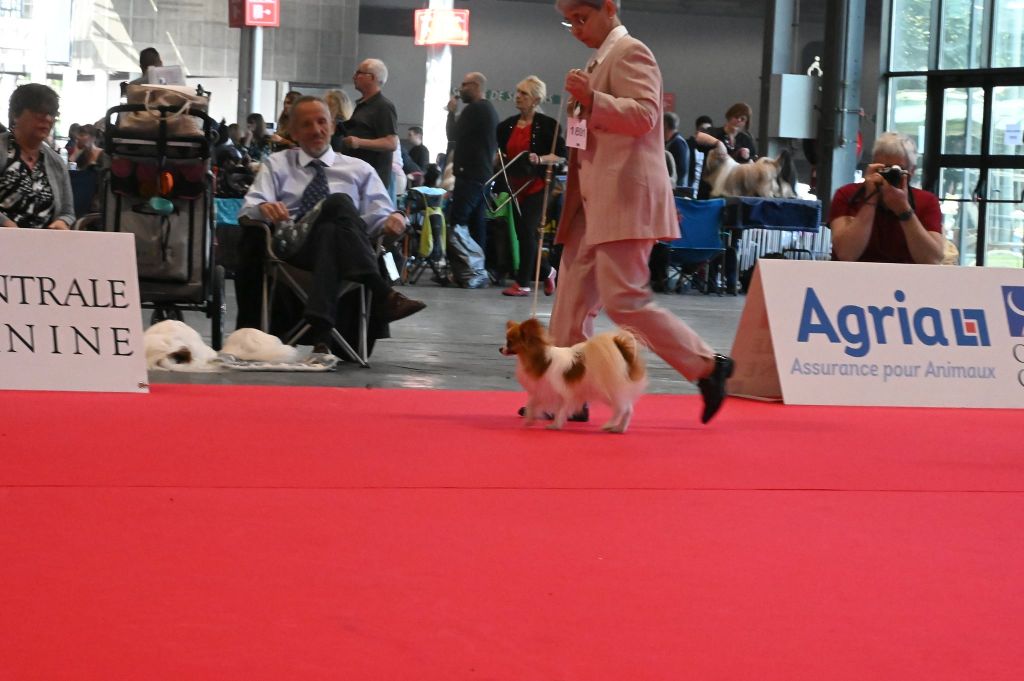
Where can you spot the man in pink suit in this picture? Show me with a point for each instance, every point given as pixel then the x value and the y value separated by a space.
pixel 618 201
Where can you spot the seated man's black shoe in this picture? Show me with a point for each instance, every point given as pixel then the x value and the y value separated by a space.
pixel 396 306
pixel 712 387
pixel 582 416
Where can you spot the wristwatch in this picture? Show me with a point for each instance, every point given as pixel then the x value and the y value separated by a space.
pixel 905 215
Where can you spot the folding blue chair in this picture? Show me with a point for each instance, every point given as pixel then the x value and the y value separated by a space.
pixel 700 244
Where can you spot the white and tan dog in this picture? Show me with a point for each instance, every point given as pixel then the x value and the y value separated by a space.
pixel 175 346
pixel 607 368
pixel 765 177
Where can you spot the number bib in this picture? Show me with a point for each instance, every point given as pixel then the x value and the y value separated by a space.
pixel 576 133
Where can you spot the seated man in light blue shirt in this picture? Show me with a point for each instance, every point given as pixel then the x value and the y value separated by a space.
pixel 355 209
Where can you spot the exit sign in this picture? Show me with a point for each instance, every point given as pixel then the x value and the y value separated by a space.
pixel 442 26
pixel 247 13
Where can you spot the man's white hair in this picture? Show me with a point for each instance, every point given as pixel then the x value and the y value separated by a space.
pixel 378 69
pixel 896 144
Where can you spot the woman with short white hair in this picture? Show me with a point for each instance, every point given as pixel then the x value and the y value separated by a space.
pixel 532 132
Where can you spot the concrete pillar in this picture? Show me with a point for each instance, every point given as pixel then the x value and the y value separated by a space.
pixel 250 72
pixel 777 57
pixel 840 97
pixel 437 91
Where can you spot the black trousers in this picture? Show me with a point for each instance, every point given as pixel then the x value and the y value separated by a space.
pixel 468 208
pixel 531 209
pixel 337 250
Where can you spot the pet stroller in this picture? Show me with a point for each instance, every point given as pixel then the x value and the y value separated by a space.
pixel 160 188
pixel 426 247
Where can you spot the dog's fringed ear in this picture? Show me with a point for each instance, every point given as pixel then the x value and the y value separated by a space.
pixel 180 356
pixel 787 170
pixel 532 326
pixel 509 325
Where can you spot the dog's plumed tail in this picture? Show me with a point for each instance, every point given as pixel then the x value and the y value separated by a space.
pixel 616 366
pixel 627 344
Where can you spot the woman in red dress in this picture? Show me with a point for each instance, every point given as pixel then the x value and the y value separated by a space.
pixel 533 132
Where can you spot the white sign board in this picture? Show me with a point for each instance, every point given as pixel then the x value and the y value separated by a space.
pixel 1013 135
pixel 879 334
pixel 70 317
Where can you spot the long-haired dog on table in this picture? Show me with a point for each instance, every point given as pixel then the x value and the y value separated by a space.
pixel 766 177
pixel 607 368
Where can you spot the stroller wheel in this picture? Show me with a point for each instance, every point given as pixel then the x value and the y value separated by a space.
pixel 218 308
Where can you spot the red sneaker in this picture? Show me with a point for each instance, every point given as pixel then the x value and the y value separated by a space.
pixel 516 290
pixel 549 283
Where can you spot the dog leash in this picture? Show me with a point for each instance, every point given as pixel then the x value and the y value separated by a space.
pixel 544 210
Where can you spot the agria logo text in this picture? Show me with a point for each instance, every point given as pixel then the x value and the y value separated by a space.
pixel 862 327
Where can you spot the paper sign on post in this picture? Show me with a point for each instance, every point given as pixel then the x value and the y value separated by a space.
pixel 1013 135
pixel 70 315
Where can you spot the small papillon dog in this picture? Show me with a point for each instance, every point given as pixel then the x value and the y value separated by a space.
pixel 607 368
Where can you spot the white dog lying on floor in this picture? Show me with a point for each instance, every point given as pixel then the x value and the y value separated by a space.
pixel 175 346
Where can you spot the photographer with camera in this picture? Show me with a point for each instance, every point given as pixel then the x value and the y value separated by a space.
pixel 883 219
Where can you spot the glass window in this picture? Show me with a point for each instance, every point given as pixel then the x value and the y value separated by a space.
pixel 908 97
pixel 1004 223
pixel 959 211
pixel 960 41
pixel 911 34
pixel 1007 120
pixel 19 9
pixel 1008 34
pixel 963 111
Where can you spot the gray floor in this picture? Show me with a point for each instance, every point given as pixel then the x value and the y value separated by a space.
pixel 453 344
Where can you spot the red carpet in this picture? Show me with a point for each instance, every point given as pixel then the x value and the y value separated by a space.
pixel 214 533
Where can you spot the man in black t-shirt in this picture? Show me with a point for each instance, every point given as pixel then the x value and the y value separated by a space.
pixel 474 134
pixel 417 150
pixel 373 127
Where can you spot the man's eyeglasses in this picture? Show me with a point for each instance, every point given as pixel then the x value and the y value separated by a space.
pixel 574 22
pixel 363 73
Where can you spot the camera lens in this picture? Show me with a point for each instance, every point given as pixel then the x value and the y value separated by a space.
pixel 893 175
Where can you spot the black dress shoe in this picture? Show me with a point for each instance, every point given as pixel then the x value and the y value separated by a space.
pixel 396 306
pixel 582 416
pixel 712 386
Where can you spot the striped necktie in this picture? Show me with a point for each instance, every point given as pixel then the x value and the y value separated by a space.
pixel 315 191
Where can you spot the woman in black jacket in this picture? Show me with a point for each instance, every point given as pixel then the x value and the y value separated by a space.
pixel 533 132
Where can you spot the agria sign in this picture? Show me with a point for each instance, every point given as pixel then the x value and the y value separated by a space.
pixel 860 327
pixel 882 334
pixel 1013 299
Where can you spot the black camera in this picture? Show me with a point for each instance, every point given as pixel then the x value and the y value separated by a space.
pixel 893 175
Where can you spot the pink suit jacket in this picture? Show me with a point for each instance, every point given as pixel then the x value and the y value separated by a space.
pixel 618 187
